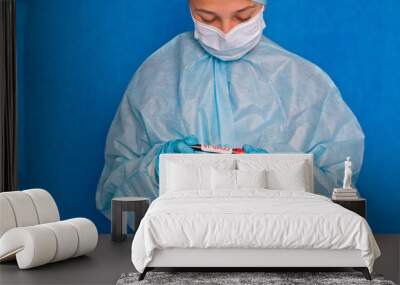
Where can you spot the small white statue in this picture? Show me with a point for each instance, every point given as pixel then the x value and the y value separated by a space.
pixel 348 173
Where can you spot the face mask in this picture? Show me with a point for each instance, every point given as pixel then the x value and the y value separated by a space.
pixel 236 43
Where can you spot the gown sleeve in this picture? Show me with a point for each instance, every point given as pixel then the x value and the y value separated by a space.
pixel 336 136
pixel 129 157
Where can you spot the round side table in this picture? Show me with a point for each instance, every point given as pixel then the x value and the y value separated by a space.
pixel 138 205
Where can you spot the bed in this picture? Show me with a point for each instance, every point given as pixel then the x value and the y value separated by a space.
pixel 247 211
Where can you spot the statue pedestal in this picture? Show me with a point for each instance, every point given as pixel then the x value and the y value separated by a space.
pixel 345 194
pixel 335 190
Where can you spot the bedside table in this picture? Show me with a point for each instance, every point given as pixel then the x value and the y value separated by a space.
pixel 358 206
pixel 138 205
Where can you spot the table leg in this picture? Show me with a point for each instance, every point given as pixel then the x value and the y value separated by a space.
pixel 116 222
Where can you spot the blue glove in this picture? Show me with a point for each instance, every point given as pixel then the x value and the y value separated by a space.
pixel 175 146
pixel 253 150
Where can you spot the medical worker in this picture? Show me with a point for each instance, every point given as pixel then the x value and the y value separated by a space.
pixel 226 84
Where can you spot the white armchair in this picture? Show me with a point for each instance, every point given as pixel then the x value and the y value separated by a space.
pixel 31 230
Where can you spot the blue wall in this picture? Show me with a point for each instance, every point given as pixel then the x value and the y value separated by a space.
pixel 76 57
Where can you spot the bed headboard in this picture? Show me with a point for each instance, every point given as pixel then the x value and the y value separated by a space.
pixel 214 158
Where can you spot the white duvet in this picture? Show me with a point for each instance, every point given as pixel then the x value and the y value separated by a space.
pixel 250 219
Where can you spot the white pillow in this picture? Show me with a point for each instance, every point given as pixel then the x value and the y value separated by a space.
pixel 293 179
pixel 281 175
pixel 236 179
pixel 251 178
pixel 181 177
pixel 223 179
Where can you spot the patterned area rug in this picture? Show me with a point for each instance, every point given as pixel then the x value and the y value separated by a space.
pixel 244 278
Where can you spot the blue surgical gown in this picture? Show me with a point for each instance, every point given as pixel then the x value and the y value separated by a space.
pixel 270 98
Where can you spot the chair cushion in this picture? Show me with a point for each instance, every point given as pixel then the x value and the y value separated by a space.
pixel 45 205
pixel 23 208
pixel 26 208
pixel 40 244
pixel 7 220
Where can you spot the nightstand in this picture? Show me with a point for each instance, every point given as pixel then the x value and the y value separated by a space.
pixel 119 206
pixel 358 206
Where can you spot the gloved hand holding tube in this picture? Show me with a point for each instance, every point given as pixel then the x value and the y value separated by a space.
pixel 227 150
pixel 253 150
pixel 190 144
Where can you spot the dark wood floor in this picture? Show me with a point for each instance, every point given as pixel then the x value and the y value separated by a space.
pixel 103 266
pixel 110 260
